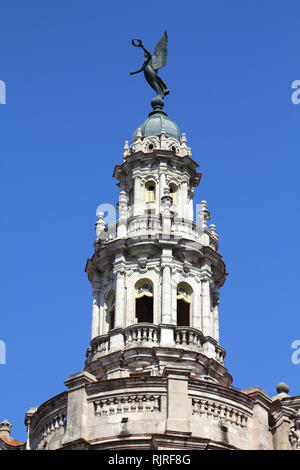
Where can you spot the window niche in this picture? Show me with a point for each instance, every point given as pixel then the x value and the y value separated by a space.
pixel 173 192
pixel 144 301
pixel 110 308
pixel 184 304
pixel 150 191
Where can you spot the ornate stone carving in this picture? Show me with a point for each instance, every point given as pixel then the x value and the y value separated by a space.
pixel 294 435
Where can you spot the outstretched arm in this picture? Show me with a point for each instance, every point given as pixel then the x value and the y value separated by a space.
pixel 138 71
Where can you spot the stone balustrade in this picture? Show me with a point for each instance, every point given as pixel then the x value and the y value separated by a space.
pixel 110 232
pixel 220 411
pixel 148 335
pixel 188 228
pixel 136 403
pixel 151 225
pixel 186 336
pixel 100 344
pixel 142 333
pixel 220 354
pixel 50 425
pixel 54 423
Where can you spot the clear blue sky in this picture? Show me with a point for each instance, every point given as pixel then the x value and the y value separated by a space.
pixel 71 104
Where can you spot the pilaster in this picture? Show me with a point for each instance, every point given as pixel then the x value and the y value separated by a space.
pixel 179 407
pixel 77 409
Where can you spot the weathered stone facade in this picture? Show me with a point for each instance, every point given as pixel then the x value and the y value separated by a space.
pixel 154 375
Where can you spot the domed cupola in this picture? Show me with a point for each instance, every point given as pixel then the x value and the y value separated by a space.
pixel 156 120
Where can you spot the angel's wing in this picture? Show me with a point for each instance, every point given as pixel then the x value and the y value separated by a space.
pixel 160 53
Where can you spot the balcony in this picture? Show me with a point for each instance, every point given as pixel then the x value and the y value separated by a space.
pixel 148 335
pixel 152 226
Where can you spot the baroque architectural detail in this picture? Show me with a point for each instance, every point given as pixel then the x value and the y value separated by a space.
pixel 155 366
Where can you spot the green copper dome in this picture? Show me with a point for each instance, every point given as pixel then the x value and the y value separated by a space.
pixel 158 118
pixel 153 125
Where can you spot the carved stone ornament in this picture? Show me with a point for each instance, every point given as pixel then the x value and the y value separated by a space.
pixel 294 435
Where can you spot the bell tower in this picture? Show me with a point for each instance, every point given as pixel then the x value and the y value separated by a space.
pixel 154 374
pixel 156 272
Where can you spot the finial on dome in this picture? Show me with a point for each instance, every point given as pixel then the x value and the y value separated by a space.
pixel 282 387
pixel 157 104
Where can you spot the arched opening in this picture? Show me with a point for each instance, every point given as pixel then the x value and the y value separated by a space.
pixel 150 191
pixel 184 301
pixel 173 192
pixel 110 306
pixel 144 301
pixel 131 197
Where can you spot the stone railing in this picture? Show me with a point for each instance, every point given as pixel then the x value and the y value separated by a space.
pixel 135 403
pixel 219 411
pixel 110 232
pixel 49 421
pixel 144 224
pixel 186 336
pixel 100 344
pixel 220 354
pixel 148 335
pixel 151 225
pixel 188 228
pixel 57 421
pixel 142 333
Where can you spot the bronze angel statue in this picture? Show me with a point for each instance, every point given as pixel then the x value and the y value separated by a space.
pixel 153 63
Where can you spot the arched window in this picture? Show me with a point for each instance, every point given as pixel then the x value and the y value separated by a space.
pixel 131 197
pixel 150 191
pixel 144 301
pixel 184 301
pixel 173 192
pixel 110 306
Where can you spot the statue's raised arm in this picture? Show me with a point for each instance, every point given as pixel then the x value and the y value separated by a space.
pixel 153 63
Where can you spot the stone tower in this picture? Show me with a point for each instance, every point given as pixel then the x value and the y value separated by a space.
pixel 154 375
pixel 156 273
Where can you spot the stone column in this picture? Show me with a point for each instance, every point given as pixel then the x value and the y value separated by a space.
pixel 120 299
pixel 102 312
pixel 162 185
pixel 208 345
pixel 116 335
pixel 27 422
pixel 184 201
pixel 167 330
pixel 215 314
pixel 197 307
pixel 206 307
pixel 96 312
pixel 123 213
pixel 166 203
pixel 166 313
pixel 191 204
pixel 139 196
